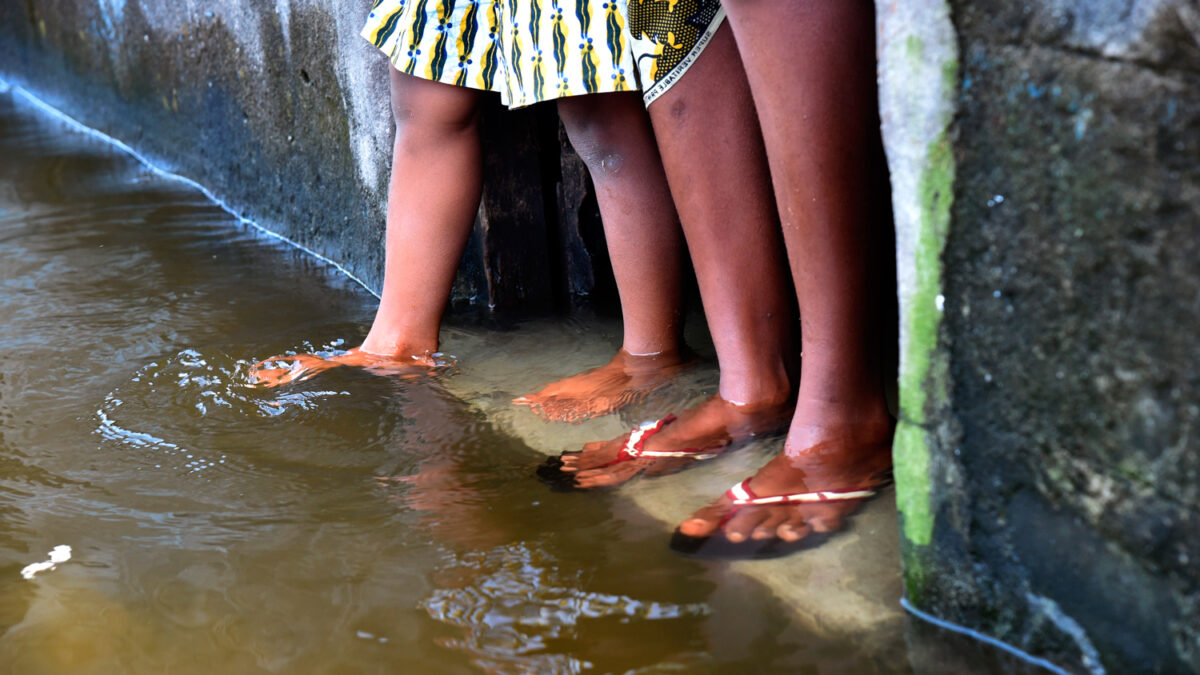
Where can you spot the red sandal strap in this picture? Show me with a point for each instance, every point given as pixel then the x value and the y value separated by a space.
pixel 639 435
pixel 635 444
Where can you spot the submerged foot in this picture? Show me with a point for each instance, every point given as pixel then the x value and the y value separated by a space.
pixel 823 475
pixel 696 433
pixel 281 370
pixel 623 381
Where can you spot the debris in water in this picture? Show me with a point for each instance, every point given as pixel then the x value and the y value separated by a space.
pixel 60 554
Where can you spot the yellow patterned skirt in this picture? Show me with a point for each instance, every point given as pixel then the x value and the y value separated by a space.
pixel 527 50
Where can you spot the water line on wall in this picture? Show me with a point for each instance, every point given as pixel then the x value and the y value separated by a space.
pixel 30 97
pixel 987 639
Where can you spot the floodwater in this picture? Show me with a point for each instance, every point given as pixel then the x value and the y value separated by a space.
pixel 351 523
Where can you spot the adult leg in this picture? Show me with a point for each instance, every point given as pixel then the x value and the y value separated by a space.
pixel 811 69
pixel 433 195
pixel 611 132
pixel 712 150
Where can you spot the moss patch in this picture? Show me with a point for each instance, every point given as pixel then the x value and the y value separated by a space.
pixel 923 316
pixel 911 453
pixel 914 47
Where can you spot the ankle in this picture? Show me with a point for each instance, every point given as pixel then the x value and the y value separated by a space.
pixel 767 388
pixel 396 346
pixel 653 344
pixel 638 363
pixel 830 393
pixel 865 420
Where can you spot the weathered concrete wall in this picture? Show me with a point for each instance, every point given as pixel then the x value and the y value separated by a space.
pixel 282 111
pixel 1047 192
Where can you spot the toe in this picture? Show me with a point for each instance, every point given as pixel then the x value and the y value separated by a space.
pixel 794 528
pixel 742 524
pixel 705 521
pixel 769 527
pixel 825 517
pixel 570 461
pixel 593 478
pixel 607 476
pixel 593 456
pixel 828 523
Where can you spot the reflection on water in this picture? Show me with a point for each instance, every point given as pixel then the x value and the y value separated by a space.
pixel 514 608
pixel 348 523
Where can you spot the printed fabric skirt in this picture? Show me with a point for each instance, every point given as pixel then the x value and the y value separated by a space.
pixel 536 50
pixel 527 50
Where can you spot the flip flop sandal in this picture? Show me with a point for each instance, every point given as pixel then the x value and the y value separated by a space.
pixel 551 472
pixel 716 545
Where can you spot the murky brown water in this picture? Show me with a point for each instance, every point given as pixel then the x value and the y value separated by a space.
pixel 351 523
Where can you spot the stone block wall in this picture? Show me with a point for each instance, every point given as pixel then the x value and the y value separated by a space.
pixel 1047 189
pixel 282 110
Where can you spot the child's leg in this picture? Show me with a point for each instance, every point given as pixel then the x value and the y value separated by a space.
pixel 712 150
pixel 611 132
pixel 433 196
pixel 812 70
pixel 612 135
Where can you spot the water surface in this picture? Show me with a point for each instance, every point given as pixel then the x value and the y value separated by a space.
pixel 350 523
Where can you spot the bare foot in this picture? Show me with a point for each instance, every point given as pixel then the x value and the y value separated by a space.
pixel 623 381
pixel 839 458
pixel 706 429
pixel 281 370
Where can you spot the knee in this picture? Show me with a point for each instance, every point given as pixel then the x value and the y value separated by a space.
pixel 432 111
pixel 601 140
pixel 434 118
pixel 603 159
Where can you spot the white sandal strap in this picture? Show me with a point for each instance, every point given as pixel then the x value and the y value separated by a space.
pixel 689 455
pixel 642 433
pixel 741 496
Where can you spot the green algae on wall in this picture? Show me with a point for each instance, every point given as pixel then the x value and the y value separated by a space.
pixel 918 73
pixel 919 377
pixel 1047 496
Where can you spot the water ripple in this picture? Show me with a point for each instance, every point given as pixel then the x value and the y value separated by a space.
pixel 512 605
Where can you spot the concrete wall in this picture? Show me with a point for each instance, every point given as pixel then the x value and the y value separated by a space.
pixel 282 110
pixel 1047 191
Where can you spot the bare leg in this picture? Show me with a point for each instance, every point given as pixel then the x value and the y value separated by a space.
pixel 432 199
pixel 811 68
pixel 712 150
pixel 612 134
